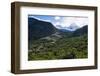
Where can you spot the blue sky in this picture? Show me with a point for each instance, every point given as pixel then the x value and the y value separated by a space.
pixel 62 21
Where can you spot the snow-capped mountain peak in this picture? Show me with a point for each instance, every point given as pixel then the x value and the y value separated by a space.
pixel 71 27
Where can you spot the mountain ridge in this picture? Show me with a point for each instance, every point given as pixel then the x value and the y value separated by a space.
pixel 38 29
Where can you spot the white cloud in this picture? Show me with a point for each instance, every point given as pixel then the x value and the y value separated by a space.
pixel 65 22
pixel 80 21
pixel 57 18
pixel 57 23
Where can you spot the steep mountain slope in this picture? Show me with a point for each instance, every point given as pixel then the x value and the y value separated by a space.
pixel 38 29
pixel 81 31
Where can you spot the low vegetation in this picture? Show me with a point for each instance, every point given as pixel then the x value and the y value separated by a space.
pixel 62 48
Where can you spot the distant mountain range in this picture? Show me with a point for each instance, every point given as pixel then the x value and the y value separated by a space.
pixel 72 27
pixel 39 29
